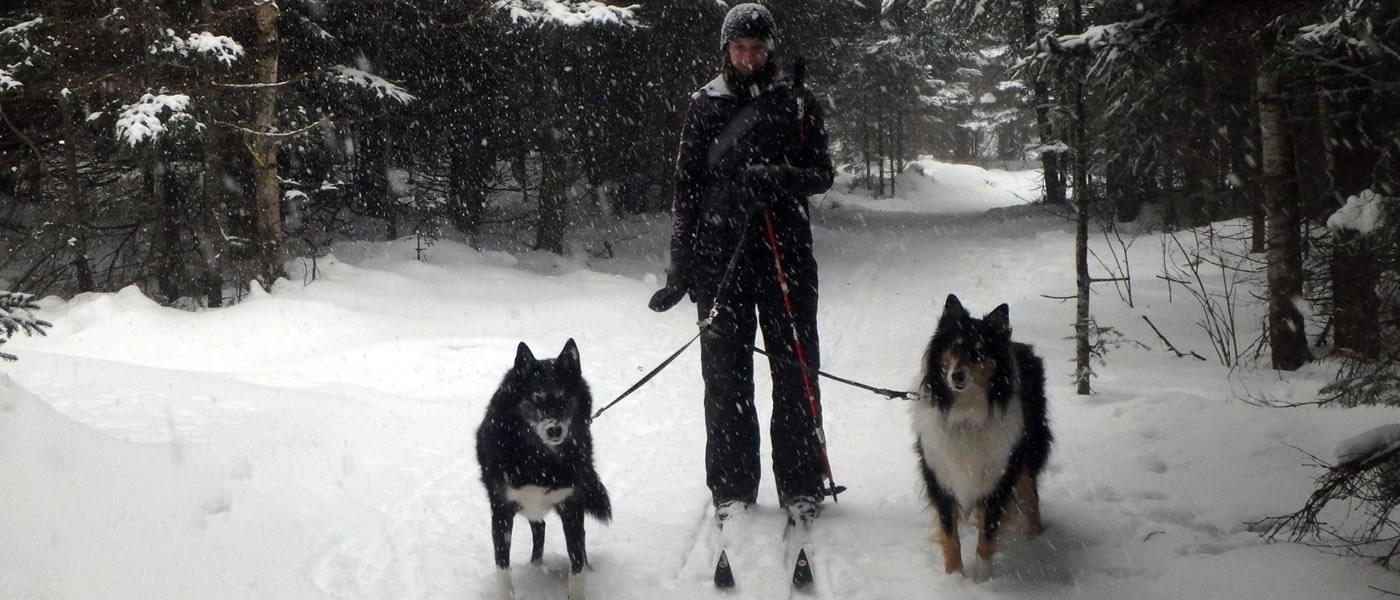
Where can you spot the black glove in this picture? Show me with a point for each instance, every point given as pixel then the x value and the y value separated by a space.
pixel 665 298
pixel 670 295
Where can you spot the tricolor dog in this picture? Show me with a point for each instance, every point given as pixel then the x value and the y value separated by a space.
pixel 982 433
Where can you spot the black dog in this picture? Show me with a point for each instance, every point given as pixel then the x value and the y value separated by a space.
pixel 536 454
pixel 983 435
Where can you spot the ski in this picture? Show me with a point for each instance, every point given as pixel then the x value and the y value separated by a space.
pixel 798 536
pixel 724 575
pixel 802 572
pixel 796 541
pixel 724 571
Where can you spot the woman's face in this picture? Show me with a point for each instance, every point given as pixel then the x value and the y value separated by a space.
pixel 748 54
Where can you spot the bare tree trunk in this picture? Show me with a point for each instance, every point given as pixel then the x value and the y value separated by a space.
pixel 213 245
pixel 1356 305
pixel 1083 370
pixel 1253 188
pixel 384 162
pixel 898 151
pixel 213 240
pixel 464 193
pixel 1052 165
pixel 266 191
pixel 880 151
pixel 554 182
pixel 76 209
pixel 166 242
pixel 865 147
pixel 963 145
pixel 1288 344
pixel 1259 224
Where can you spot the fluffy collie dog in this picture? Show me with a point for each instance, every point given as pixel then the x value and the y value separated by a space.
pixel 982 435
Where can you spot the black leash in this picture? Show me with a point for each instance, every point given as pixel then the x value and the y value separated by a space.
pixel 648 376
pixel 705 324
pixel 890 394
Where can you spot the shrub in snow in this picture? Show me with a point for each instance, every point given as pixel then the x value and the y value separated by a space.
pixel 1367 225
pixel 1366 483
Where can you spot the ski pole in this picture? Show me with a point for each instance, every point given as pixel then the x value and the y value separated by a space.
pixel 813 409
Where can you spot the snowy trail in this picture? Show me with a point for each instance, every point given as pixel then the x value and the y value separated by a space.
pixel 418 547
pixel 317 442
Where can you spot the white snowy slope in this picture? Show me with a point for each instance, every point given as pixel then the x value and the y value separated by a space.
pixel 317 441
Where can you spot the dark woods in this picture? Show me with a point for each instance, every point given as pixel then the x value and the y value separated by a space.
pixel 191 147
pixel 1274 112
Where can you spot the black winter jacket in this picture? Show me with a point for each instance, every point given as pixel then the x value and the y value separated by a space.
pixel 713 197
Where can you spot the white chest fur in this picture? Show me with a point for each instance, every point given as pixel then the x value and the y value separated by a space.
pixel 535 501
pixel 968 458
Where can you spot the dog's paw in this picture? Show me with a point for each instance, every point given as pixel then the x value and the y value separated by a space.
pixel 504 589
pixel 980 571
pixel 576 586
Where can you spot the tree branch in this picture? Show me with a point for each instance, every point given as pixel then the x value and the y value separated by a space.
pixel 1171 347
pixel 254 86
pixel 28 142
pixel 282 134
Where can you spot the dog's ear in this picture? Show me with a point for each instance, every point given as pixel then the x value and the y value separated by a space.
pixel 524 359
pixel 1000 319
pixel 952 309
pixel 568 358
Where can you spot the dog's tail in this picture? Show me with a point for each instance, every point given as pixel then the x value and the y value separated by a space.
pixel 595 502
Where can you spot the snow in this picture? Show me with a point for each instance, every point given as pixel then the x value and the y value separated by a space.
pixel 8 83
pixel 141 121
pixel 381 87
pixel 928 186
pixel 316 441
pixel 219 47
pixel 18 30
pixel 1363 213
pixel 568 13
pixel 1368 443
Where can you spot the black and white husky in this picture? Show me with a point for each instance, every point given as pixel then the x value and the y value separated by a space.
pixel 982 431
pixel 536 455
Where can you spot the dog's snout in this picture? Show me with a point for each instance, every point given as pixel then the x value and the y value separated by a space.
pixel 958 378
pixel 554 431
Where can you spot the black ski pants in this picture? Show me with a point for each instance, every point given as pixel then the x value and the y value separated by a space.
pixel 753 300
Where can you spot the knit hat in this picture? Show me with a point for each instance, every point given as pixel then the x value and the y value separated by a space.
pixel 747 20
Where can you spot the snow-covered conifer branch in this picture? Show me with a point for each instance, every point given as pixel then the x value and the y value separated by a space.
pixel 141 121
pixel 219 47
pixel 569 13
pixel 381 87
pixel 15 317
pixel 8 83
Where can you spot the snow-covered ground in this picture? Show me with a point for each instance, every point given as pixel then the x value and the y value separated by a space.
pixel 316 441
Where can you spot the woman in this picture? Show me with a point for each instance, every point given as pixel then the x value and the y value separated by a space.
pixel 752 150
